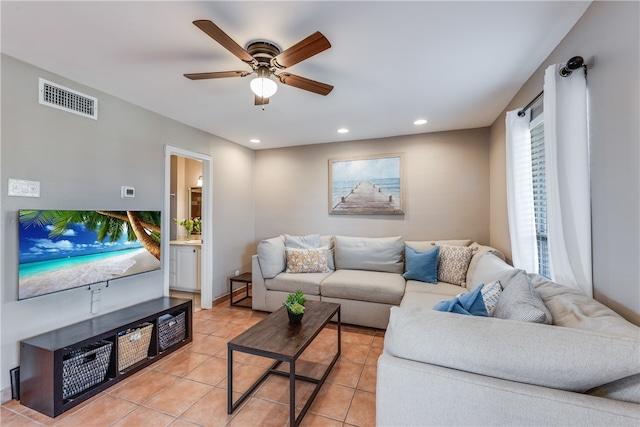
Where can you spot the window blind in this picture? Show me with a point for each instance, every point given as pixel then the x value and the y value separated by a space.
pixel 540 194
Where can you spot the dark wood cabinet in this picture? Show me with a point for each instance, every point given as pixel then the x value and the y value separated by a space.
pixel 42 356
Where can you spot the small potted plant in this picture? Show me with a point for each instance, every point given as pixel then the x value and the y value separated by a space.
pixel 197 227
pixel 295 306
pixel 190 225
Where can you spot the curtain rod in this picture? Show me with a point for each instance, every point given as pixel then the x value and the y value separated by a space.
pixel 572 64
pixel 529 105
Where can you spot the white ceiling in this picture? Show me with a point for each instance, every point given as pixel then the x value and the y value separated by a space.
pixel 456 64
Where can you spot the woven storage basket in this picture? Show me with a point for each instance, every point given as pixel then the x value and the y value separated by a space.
pixel 85 367
pixel 133 345
pixel 171 330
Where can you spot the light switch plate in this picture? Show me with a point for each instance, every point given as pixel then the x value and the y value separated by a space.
pixel 23 188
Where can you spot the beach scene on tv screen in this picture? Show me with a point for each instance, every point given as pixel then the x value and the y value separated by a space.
pixel 65 249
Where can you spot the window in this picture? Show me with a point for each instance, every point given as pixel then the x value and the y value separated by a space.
pixel 539 182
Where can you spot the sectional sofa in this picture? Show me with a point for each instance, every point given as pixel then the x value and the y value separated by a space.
pixel 441 368
pixel 363 274
pixel 553 357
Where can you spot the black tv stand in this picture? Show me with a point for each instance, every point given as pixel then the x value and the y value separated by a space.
pixel 41 357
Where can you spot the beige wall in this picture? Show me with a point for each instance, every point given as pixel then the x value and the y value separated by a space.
pixel 81 164
pixel 447 188
pixel 607 36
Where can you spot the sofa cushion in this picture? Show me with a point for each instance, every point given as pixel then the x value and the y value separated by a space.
pixel 307 260
pixel 573 309
pixel 627 390
pixel 328 241
pixel 532 353
pixel 312 241
pixel 453 263
pixel 271 256
pixel 370 253
pixel 424 299
pixel 373 286
pixel 302 242
pixel 425 245
pixel 520 301
pixel 440 288
pixel 488 268
pixel 308 283
pixel 422 266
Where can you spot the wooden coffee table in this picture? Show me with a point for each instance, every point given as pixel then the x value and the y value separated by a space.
pixel 275 338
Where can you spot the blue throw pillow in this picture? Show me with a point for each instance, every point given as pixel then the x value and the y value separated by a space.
pixel 422 266
pixel 469 304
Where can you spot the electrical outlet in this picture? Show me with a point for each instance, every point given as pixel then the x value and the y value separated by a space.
pixel 237 272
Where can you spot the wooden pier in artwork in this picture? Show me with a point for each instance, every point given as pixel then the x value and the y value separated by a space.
pixel 367 198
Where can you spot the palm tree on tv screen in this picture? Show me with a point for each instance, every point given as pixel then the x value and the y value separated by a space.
pixel 143 226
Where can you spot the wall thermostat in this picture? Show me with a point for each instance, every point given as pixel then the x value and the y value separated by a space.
pixel 126 191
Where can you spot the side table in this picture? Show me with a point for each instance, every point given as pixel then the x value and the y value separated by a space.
pixel 242 278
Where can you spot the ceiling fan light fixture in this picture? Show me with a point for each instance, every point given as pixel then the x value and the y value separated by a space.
pixel 262 85
pixel 264 57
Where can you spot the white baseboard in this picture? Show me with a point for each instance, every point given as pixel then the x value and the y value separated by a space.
pixel 5 394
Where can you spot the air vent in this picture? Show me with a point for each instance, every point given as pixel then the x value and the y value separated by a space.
pixel 62 98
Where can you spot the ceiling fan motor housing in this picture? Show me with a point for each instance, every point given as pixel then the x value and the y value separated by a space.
pixel 263 52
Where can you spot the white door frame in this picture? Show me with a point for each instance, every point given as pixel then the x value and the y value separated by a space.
pixel 206 254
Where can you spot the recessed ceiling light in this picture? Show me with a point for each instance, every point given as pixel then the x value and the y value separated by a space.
pixel 255 140
pixel 420 122
pixel 343 130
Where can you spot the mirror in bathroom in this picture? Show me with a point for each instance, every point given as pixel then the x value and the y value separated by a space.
pixel 195 202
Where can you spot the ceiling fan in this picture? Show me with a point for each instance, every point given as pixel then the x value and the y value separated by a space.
pixel 265 58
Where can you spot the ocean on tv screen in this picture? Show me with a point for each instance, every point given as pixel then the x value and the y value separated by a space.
pixel 62 250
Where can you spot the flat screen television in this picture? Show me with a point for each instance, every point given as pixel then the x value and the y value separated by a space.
pixel 66 249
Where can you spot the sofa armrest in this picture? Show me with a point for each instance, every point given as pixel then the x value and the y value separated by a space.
pixel 258 289
pixel 479 251
pixel 532 353
pixel 410 393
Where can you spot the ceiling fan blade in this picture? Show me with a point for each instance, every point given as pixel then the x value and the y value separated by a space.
pixel 302 50
pixel 217 75
pixel 304 83
pixel 221 37
pixel 261 101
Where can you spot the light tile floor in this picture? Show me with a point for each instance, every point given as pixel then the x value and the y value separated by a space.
pixel 189 387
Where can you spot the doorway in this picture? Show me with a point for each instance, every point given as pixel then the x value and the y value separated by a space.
pixel 205 205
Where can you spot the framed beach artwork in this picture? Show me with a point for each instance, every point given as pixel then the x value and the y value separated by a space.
pixel 367 185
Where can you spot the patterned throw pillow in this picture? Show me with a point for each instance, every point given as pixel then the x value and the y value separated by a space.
pixel 490 295
pixel 453 263
pixel 520 301
pixel 307 260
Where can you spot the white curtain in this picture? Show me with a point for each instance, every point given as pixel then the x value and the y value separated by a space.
pixel 520 210
pixel 568 180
